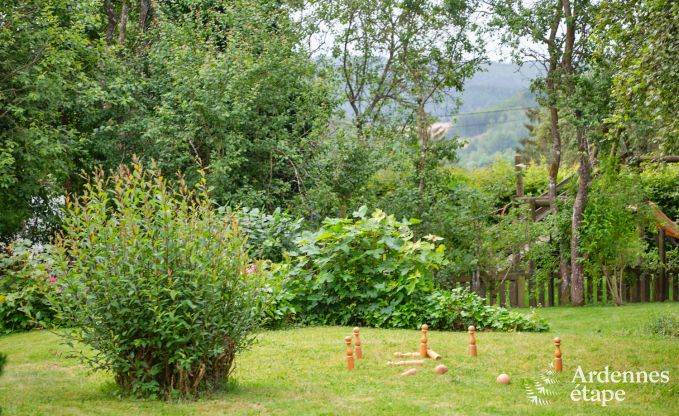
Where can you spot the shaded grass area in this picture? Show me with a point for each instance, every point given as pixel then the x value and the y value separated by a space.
pixel 302 371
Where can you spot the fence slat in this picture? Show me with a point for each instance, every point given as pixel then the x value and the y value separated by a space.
pixel 513 296
pixel 541 293
pixel 600 290
pixel 550 299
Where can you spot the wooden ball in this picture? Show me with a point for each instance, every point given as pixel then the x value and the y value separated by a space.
pixel 502 379
pixel 441 369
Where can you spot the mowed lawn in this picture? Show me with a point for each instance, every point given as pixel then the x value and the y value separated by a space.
pixel 303 372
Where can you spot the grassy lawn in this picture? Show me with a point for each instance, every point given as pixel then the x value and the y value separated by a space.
pixel 302 371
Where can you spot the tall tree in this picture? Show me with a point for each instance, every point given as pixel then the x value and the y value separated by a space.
pixel 48 81
pixel 397 57
pixel 555 34
pixel 642 38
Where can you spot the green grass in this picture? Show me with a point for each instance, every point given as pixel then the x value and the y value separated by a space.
pixel 302 371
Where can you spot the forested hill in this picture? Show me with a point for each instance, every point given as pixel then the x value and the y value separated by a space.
pixel 492 114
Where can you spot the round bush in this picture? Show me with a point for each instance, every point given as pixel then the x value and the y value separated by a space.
pixel 156 282
pixel 361 271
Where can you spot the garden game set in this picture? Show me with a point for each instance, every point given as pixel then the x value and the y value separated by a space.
pixel 427 353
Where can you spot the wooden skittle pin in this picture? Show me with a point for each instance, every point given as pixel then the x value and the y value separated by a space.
pixel 350 354
pixel 423 341
pixel 406 354
pixel 558 365
pixel 472 341
pixel 433 355
pixel 357 345
pixel 406 362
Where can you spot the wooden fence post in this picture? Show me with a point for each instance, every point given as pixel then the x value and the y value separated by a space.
pixel 550 299
pixel 661 284
pixel 521 290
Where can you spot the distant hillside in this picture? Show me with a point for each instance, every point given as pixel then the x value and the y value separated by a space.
pixel 496 83
pixel 492 116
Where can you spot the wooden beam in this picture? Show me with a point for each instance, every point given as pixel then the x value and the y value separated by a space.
pixel 663 159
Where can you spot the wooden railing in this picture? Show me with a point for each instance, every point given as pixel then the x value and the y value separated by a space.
pixel 518 290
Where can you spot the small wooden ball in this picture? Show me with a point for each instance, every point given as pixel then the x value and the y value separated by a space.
pixel 502 379
pixel 441 369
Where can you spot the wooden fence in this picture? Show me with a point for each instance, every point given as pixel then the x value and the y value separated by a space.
pixel 518 290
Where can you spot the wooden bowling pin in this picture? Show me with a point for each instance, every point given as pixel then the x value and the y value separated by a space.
pixel 406 362
pixel 406 354
pixel 433 355
pixel 357 345
pixel 558 365
pixel 350 354
pixel 409 372
pixel 423 341
pixel 472 341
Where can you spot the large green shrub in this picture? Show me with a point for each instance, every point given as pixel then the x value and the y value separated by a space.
pixel 371 271
pixel 360 271
pixel 24 281
pixel 269 235
pixel 459 308
pixel 156 282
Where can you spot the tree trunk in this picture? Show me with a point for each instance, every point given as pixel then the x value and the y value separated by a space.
pixel 423 134
pixel 555 157
pixel 112 21
pixel 584 172
pixel 144 9
pixel 124 15
pixel 565 272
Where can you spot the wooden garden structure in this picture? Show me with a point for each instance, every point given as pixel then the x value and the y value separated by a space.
pixel 515 288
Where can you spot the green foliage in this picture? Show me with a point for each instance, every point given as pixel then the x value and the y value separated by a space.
pixel 370 271
pixel 640 37
pixel 666 325
pixel 25 279
pixel 48 63
pixel 269 235
pixel 362 270
pixel 156 282
pixel 459 308
pixel 248 105
pixel 613 225
pixel 391 55
pixel 661 186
